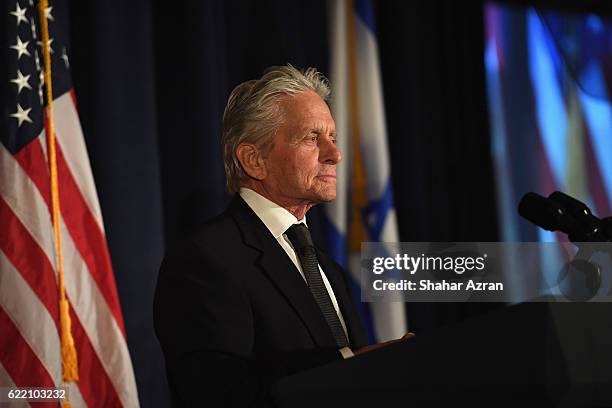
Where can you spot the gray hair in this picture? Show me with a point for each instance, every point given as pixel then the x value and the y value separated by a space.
pixel 253 114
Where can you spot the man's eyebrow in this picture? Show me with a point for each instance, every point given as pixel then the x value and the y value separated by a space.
pixel 319 129
pixel 333 134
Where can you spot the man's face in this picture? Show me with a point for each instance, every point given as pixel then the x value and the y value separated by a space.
pixel 302 162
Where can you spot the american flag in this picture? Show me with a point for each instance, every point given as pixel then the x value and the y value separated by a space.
pixel 548 82
pixel 29 318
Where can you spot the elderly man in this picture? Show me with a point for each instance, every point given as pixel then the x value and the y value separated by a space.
pixel 249 298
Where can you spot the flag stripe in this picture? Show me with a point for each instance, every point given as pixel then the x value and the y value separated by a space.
pixel 70 138
pixel 96 387
pixel 372 119
pixel 5 378
pixel 598 117
pixel 74 396
pixel 28 158
pixel 16 188
pixel 74 101
pixel 365 12
pixel 378 210
pixel 24 305
pixel 336 211
pixel 106 337
pixel 27 257
pixel 87 237
pixel 595 179
pixel 7 381
pixel 548 96
pixel 19 360
pixel 31 318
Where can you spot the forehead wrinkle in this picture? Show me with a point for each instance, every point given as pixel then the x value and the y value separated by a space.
pixel 306 117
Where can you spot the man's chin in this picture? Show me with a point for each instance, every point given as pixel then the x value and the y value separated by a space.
pixel 326 191
pixel 326 196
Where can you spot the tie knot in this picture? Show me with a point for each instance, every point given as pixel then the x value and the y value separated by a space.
pixel 299 235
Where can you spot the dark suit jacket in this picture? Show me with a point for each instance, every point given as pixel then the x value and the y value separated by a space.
pixel 232 313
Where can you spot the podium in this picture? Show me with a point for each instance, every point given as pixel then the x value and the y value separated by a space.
pixel 533 354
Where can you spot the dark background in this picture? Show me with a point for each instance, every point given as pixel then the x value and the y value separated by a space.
pixel 152 78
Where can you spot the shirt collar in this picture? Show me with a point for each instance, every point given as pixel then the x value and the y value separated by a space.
pixel 276 218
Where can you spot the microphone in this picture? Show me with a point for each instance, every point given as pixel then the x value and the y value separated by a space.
pixel 560 212
pixel 590 224
pixel 579 279
pixel 545 213
pixel 606 227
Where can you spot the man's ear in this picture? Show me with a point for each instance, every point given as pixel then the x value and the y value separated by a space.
pixel 251 159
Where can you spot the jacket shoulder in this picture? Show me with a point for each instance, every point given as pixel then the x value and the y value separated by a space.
pixel 217 231
pixel 217 242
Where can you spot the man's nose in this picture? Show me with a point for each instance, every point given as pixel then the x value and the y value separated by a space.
pixel 329 152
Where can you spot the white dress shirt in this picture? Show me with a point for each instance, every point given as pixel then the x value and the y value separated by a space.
pixel 277 219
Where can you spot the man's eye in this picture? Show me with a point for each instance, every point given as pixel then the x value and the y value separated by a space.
pixel 313 138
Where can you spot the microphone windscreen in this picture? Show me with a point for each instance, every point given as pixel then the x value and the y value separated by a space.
pixel 541 211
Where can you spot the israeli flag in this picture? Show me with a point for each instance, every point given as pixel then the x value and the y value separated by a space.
pixel 363 210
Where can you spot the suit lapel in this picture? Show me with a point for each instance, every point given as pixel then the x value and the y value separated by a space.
pixel 275 263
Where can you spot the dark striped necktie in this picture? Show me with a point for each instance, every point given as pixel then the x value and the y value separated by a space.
pixel 300 238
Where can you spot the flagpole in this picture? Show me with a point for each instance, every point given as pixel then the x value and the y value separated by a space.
pixel 69 354
pixel 356 228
